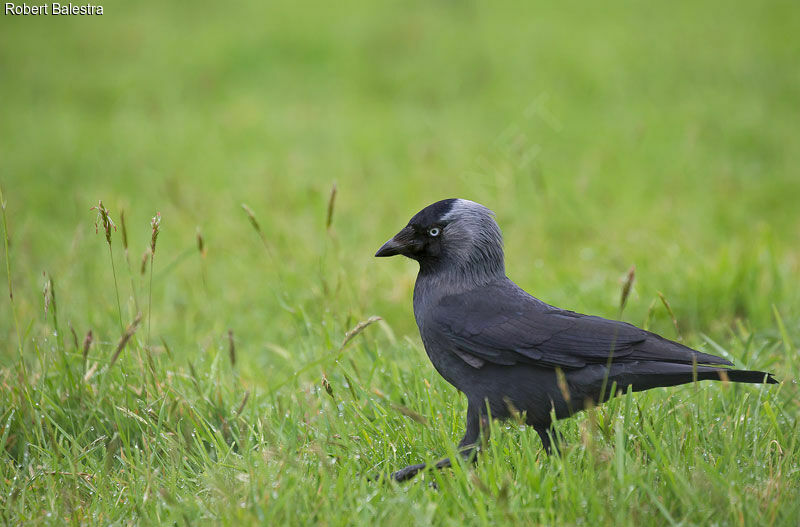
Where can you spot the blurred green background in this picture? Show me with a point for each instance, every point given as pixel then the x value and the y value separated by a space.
pixel 604 135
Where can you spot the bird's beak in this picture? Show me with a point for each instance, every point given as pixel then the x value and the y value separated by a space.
pixel 402 243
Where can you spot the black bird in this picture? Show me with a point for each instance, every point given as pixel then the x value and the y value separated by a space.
pixel 509 352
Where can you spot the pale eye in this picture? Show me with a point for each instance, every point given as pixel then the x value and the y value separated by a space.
pixel 434 231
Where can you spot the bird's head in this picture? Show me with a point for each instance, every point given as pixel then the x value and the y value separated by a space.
pixel 451 235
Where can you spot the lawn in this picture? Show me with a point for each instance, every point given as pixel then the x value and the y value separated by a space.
pixel 235 375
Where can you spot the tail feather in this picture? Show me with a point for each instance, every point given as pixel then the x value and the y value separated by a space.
pixel 657 348
pixel 645 375
pixel 755 377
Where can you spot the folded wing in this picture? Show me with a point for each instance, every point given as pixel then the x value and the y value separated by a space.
pixel 502 324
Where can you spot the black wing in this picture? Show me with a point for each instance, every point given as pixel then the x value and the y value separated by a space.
pixel 502 324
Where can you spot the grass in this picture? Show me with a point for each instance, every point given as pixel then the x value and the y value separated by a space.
pixel 603 136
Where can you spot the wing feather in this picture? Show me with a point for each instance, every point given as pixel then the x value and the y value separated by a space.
pixel 501 324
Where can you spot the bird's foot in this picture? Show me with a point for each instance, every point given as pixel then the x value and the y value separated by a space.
pixel 403 474
pixel 408 472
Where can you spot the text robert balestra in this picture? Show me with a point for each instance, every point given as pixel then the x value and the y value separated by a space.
pixel 52 9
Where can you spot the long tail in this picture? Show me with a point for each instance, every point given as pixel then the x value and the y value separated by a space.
pixel 646 375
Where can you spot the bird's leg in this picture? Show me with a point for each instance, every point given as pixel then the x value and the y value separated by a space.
pixel 477 427
pixel 549 437
pixel 477 432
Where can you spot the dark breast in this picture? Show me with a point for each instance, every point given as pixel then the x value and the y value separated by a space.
pixel 437 345
pixel 447 363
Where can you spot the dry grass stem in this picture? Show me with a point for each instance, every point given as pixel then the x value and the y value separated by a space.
pixel 10 288
pixel 361 326
pixel 129 331
pixel 243 403
pixel 128 257
pixel 408 412
pixel 671 314
pixel 155 224
pixel 104 219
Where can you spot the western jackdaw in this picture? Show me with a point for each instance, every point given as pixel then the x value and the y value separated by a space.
pixel 508 351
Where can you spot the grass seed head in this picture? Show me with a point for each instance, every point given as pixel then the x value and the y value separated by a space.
pixel 201 245
pixel 563 387
pixel 331 202
pixel 124 230
pixel 104 219
pixel 87 343
pixel 358 328
pixel 254 222
pixel 49 293
pixel 46 292
pixel 231 348
pixel 251 215
pixel 626 287
pixel 327 386
pixel 155 223
pixel 145 257
pixel 671 314
pixel 516 415
pixel 74 335
pixel 166 347
pixel 129 331
pixel 408 412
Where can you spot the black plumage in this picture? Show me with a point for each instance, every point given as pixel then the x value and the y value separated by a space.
pixel 508 351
